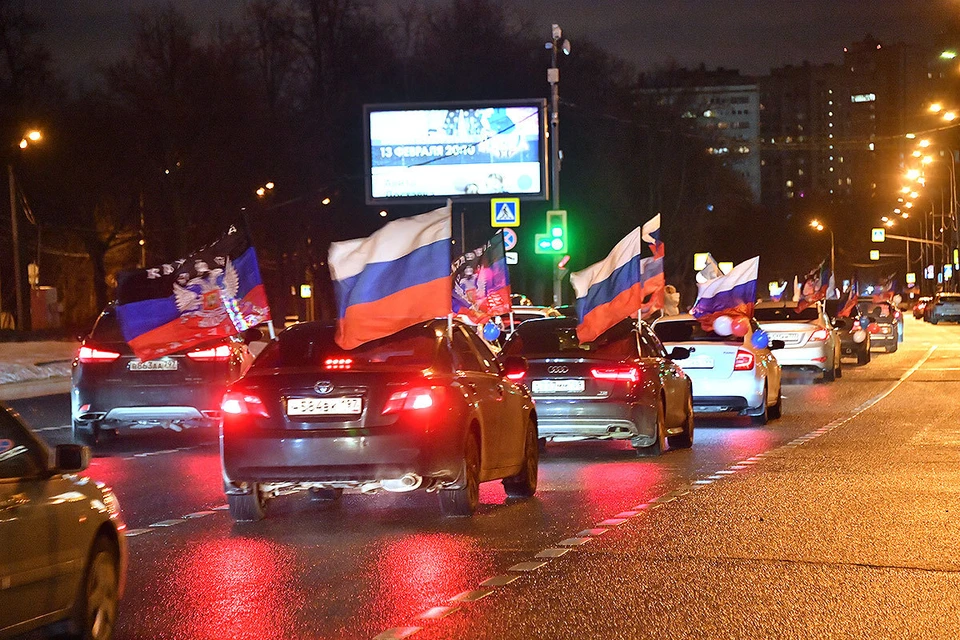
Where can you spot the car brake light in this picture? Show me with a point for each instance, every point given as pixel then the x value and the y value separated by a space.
pixel 744 361
pixel 627 373
pixel 90 354
pixel 238 403
pixel 337 364
pixel 820 335
pixel 213 354
pixel 516 377
pixel 416 399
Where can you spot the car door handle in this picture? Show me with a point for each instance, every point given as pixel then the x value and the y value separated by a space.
pixel 13 502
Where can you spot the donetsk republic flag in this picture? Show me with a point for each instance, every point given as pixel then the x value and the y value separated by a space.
pixel 214 293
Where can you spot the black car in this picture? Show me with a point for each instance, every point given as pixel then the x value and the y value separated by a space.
pixel 855 340
pixel 426 408
pixel 113 389
pixel 621 386
pixel 885 324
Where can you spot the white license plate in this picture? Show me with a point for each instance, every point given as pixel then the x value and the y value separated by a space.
pixel 558 386
pixel 696 362
pixel 160 364
pixel 323 406
pixel 786 337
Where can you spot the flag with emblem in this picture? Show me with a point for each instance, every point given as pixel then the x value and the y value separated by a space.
pixel 481 282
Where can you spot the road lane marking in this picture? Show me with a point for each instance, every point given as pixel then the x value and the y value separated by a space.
pixel 436 613
pixel 531 565
pixel 499 581
pixel 397 633
pixel 471 596
pixel 552 553
pixel 42 429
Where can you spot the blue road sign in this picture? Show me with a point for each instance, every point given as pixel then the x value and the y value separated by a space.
pixel 505 212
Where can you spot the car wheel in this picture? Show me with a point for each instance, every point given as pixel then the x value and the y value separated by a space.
pixel 776 411
pixel 325 495
pixel 659 442
pixel 542 444
pixel 863 357
pixel 524 484
pixel 95 611
pixel 830 375
pixel 463 501
pixel 248 507
pixel 764 417
pixel 84 433
pixel 685 439
pixel 891 348
pixel 933 320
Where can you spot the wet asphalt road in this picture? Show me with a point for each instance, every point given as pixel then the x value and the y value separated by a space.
pixel 833 521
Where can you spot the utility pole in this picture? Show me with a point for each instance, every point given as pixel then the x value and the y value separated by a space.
pixel 16 247
pixel 553 78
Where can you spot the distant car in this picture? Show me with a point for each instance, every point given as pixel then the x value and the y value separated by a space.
pixel 855 339
pixel 728 372
pixel 884 324
pixel 621 386
pixel 426 408
pixel 63 554
pixel 112 389
pixel 526 312
pixel 943 307
pixel 810 341
pixel 920 306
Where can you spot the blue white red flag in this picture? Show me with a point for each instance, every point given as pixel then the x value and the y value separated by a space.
pixel 815 286
pixel 711 270
pixel 481 282
pixel 853 295
pixel 625 283
pixel 214 293
pixel 393 279
pixel 883 292
pixel 733 294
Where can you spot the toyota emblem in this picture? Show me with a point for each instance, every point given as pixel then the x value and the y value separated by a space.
pixel 558 369
pixel 323 387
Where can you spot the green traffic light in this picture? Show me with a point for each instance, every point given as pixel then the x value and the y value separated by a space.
pixel 556 244
pixel 556 232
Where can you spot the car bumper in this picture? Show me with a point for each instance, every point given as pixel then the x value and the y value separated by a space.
pixel 816 357
pixel 882 339
pixel 131 404
pixel 581 420
pixel 735 393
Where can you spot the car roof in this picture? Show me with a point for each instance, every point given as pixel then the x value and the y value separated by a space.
pixel 679 317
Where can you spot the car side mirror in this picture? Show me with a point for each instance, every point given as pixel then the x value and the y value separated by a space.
pixel 777 344
pixel 679 353
pixel 514 367
pixel 71 458
pixel 252 334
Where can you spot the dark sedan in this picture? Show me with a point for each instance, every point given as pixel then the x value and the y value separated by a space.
pixel 426 408
pixel 621 386
pixel 113 390
pixel 855 340
pixel 885 324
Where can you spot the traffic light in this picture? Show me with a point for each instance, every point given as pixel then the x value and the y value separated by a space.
pixel 555 239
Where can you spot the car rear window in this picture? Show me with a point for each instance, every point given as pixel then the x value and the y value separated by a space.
pixel 775 314
pixel 685 331
pixel 107 328
pixel 876 309
pixel 545 338
pixel 313 345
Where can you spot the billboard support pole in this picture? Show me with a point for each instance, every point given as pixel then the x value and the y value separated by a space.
pixel 553 78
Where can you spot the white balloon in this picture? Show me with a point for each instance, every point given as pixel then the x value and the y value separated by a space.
pixel 723 325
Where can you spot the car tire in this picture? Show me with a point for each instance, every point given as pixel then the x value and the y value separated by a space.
pixel 933 320
pixel 248 507
pixel 325 495
pixel 863 357
pixel 891 348
pixel 660 442
pixel 463 501
pixel 542 444
pixel 87 434
pixel 685 439
pixel 524 483
pixel 776 411
pixel 829 375
pixel 95 609
pixel 764 416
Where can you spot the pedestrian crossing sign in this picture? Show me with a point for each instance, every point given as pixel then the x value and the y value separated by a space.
pixel 505 212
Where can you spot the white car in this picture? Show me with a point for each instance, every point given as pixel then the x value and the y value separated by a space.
pixel 810 341
pixel 728 373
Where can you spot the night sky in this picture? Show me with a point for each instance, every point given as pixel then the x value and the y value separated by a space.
pixel 750 35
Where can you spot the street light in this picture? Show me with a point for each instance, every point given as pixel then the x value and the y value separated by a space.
pixel 29 137
pixel 819 226
pixel 553 79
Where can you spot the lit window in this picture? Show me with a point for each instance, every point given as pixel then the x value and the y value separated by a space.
pixel 789 183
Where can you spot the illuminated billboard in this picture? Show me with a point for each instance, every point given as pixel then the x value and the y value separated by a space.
pixel 465 151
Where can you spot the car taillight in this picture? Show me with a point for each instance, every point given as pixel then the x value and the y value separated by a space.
pixel 517 376
pixel 238 403
pixel 213 354
pixel 744 361
pixel 337 364
pixel 90 354
pixel 622 373
pixel 820 335
pixel 417 399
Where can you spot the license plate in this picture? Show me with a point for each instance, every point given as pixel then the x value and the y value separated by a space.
pixel 323 406
pixel 160 364
pixel 558 386
pixel 786 337
pixel 696 362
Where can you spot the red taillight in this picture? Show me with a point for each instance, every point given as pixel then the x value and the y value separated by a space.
pixel 820 335
pixel 90 354
pixel 213 354
pixel 744 361
pixel 417 399
pixel 622 373
pixel 238 403
pixel 517 376
pixel 337 364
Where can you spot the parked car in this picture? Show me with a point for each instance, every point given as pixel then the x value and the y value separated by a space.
pixel 113 389
pixel 810 341
pixel 944 306
pixel 885 324
pixel 855 339
pixel 728 372
pixel 63 554
pixel 621 386
pixel 920 306
pixel 426 408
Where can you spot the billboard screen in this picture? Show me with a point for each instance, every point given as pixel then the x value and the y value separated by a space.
pixel 466 151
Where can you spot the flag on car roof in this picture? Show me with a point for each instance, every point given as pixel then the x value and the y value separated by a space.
pixel 815 286
pixel 215 292
pixel 711 270
pixel 392 279
pixel 853 295
pixel 733 294
pixel 481 282
pixel 883 292
pixel 626 283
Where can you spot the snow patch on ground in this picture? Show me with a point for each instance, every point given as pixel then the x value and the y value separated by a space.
pixel 26 361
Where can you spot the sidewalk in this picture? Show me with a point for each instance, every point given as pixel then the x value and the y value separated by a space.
pixel 30 369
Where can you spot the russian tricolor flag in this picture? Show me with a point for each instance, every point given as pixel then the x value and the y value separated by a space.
pixel 623 284
pixel 393 279
pixel 733 294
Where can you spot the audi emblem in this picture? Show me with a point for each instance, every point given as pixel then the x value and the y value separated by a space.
pixel 558 369
pixel 323 387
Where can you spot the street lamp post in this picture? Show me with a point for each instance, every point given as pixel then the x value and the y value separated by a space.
pixel 819 226
pixel 553 79
pixel 28 138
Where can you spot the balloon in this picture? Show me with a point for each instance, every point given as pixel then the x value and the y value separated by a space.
pixel 760 339
pixel 491 332
pixel 723 325
pixel 740 326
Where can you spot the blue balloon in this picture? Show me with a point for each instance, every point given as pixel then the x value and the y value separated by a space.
pixel 760 339
pixel 491 331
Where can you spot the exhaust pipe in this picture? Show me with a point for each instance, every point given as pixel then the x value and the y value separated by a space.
pixel 407 482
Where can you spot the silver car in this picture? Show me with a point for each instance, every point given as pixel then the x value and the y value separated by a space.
pixel 728 373
pixel 810 341
pixel 63 553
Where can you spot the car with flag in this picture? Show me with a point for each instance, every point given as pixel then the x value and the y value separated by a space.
pixel 426 407
pixel 884 323
pixel 622 385
pixel 851 326
pixel 729 373
pixel 810 341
